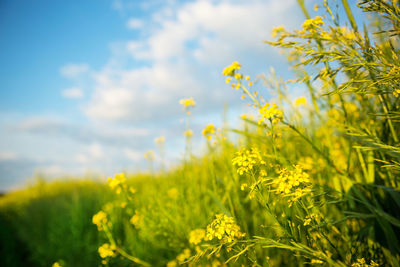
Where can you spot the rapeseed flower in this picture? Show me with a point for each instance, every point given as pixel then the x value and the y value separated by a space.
pixel 196 236
pixel 107 250
pixel 208 131
pixel 224 228
pixel 270 112
pixel 188 102
pixel 117 182
pixel 246 160
pixel 230 70
pixel 188 133
pixel 312 24
pixel 99 219
pixel 292 183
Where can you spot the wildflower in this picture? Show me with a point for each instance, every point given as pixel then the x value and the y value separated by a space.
pixel 250 83
pixel 277 30
pixel 136 219
pixel 243 187
pixel 228 80
pixel 159 140
pixel 189 102
pixel 246 160
pixel 270 112
pixel 247 77
pixel 208 131
pixel 107 250
pixel 292 183
pixel 316 7
pixel 312 24
pixel 188 133
pixel 99 219
pixel 196 236
pixel 56 264
pixel 118 180
pixel 230 70
pixel 224 228
pixel 238 76
pixel 300 101
pixel 396 92
pixel 184 255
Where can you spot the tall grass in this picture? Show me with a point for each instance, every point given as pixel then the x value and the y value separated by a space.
pixel 310 181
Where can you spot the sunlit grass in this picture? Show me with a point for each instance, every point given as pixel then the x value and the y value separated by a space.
pixel 310 181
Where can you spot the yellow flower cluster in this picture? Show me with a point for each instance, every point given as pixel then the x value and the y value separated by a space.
pixel 188 133
pixel 149 155
pixel 99 219
pixel 246 160
pixel 396 92
pixel 183 256
pixel 270 112
pixel 117 183
pixel 230 70
pixel 277 31
pixel 159 140
pixel 361 263
pixel 311 25
pixel 107 250
pixel 188 102
pixel 136 219
pixel 312 217
pixel 292 183
pixel 196 236
pixel 208 131
pixel 224 228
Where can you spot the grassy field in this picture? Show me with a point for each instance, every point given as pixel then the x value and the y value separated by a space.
pixel 311 180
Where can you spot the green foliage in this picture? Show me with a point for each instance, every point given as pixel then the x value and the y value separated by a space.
pixel 311 181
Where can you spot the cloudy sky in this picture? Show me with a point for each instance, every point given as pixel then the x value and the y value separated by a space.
pixel 86 86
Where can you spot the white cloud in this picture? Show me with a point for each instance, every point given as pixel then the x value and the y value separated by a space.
pixel 134 23
pixel 74 70
pixel 72 93
pixel 184 54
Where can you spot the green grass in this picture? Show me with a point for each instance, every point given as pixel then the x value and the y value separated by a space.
pixel 308 182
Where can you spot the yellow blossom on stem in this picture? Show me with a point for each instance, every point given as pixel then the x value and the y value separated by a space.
pixel 188 133
pixel 230 70
pixel 208 131
pixel 99 219
pixel 107 250
pixel 246 160
pixel 188 102
pixel 224 228
pixel 270 112
pixel 196 236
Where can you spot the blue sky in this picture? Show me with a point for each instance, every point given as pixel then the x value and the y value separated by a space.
pixel 86 86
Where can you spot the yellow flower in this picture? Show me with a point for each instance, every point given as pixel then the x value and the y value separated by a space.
pixel 223 228
pixel 230 70
pixel 270 112
pixel 188 133
pixel 56 264
pixel 99 219
pixel 362 263
pixel 159 140
pixel 277 30
pixel 238 76
pixel 300 101
pixel 312 24
pixel 196 236
pixel 228 80
pixel 246 160
pixel 292 183
pixel 188 102
pixel 184 255
pixel 208 131
pixel 136 219
pixel 107 250
pixel 118 180
pixel 396 92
